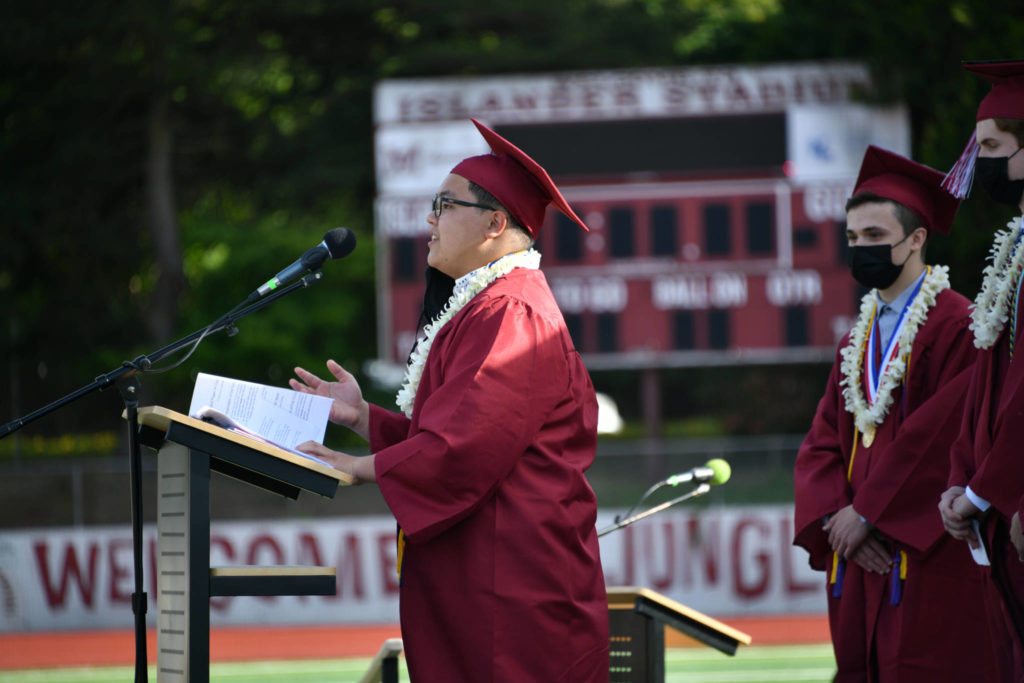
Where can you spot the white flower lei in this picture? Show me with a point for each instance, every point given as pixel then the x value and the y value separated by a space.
pixel 989 312
pixel 867 416
pixel 477 281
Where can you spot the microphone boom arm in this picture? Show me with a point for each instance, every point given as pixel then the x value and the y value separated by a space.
pixel 699 491
pixel 143 363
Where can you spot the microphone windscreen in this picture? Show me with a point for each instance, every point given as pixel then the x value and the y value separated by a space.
pixel 340 242
pixel 721 469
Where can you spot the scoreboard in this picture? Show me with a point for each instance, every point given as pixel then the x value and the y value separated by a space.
pixel 714 197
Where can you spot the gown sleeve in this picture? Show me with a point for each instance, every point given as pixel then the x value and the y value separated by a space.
pixel 819 477
pixel 386 427
pixel 961 452
pixel 999 478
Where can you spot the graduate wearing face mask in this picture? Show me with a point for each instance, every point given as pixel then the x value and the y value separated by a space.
pixel 982 504
pixel 871 469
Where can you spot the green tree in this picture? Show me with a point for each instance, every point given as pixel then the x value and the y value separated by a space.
pixel 162 158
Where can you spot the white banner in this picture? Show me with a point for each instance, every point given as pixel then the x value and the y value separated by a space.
pixel 725 561
pixel 619 94
pixel 722 561
pixel 414 159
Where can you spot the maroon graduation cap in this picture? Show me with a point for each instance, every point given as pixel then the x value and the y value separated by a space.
pixel 914 185
pixel 1006 99
pixel 517 181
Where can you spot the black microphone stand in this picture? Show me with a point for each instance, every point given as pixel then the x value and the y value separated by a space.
pixel 127 381
pixel 619 523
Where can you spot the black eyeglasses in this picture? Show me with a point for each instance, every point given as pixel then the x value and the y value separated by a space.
pixel 440 201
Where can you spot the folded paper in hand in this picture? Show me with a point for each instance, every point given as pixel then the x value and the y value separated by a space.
pixel 280 417
pixel 979 554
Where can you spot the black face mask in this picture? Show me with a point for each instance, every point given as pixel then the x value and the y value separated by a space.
pixel 872 266
pixel 993 175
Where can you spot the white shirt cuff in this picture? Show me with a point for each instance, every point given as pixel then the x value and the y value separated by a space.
pixel 978 501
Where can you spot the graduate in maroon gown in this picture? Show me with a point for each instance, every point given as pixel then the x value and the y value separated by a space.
pixel 987 460
pixel 874 462
pixel 501 575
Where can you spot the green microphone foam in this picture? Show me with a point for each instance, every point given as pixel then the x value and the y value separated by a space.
pixel 721 469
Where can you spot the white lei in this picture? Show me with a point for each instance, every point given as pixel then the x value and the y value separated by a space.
pixel 867 416
pixel 475 283
pixel 989 312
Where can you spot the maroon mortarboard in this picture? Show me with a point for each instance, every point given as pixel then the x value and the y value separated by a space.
pixel 1004 101
pixel 517 181
pixel 914 185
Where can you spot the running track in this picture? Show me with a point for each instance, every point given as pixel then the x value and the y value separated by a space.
pixel 117 647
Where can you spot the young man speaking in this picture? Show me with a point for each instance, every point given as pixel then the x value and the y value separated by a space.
pixel 484 468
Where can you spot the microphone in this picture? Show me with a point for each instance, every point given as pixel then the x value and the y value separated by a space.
pixel 337 243
pixel 714 471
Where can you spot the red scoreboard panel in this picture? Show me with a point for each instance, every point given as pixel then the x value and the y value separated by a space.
pixel 705 244
pixel 680 273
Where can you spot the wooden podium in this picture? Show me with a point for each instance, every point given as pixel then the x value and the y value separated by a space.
pixel 637 619
pixel 189 450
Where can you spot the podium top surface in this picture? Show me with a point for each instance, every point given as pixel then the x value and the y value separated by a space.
pixel 626 597
pixel 161 418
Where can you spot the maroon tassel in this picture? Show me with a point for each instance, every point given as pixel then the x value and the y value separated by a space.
pixel 958 181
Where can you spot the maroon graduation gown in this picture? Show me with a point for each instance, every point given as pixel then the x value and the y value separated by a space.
pixel 988 456
pixel 501 577
pixel 895 484
pixel 988 453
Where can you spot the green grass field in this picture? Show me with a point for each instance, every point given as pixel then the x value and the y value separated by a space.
pixel 767 664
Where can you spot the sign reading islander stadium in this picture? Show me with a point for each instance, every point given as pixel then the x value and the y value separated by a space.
pixel 714 197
